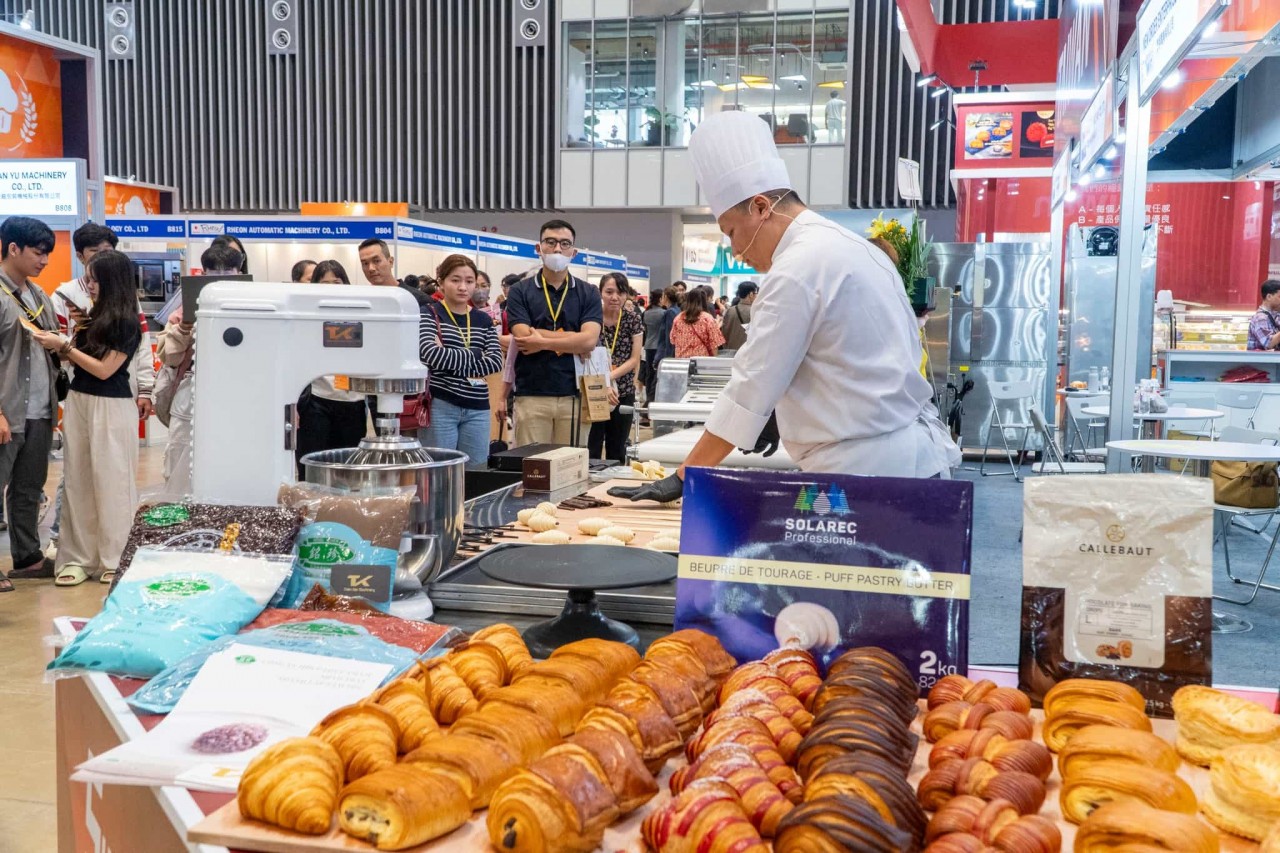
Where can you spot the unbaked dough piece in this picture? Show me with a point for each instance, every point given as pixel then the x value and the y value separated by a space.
pixel 617 531
pixel 551 537
pixel 524 515
pixel 602 539
pixel 547 507
pixel 540 522
pixel 665 542
pixel 593 525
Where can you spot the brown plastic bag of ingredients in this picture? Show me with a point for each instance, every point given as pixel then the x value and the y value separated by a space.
pixel 379 518
pixel 1117 574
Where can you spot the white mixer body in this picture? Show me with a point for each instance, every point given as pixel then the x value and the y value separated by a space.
pixel 258 345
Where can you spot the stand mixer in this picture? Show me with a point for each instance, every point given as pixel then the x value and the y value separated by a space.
pixel 258 346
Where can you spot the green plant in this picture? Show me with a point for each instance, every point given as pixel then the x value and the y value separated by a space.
pixel 915 264
pixel 910 246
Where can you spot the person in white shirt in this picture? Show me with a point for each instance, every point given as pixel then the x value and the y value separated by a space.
pixel 835 118
pixel 833 351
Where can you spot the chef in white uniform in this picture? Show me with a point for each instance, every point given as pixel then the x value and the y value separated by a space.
pixel 834 347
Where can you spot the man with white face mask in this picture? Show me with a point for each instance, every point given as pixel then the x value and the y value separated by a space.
pixel 553 317
pixel 834 350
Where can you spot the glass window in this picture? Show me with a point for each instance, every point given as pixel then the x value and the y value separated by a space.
pixel 648 123
pixel 796 77
pixel 755 71
pixel 830 110
pixel 720 62
pixel 609 84
pixel 579 130
pixel 686 76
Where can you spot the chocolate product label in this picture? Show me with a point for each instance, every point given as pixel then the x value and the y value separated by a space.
pixel 827 563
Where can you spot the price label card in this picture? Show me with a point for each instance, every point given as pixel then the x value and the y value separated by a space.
pixel 374 583
pixel 827 563
pixel 342 383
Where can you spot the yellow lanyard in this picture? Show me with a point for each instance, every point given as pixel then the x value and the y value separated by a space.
pixel 616 330
pixel 466 336
pixel 555 312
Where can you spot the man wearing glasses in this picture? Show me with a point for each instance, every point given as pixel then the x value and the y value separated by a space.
pixel 553 317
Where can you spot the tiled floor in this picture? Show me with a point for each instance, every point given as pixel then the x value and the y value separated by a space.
pixel 28 810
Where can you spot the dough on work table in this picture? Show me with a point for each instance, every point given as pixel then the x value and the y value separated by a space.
pixel 605 539
pixel 593 525
pixel 540 522
pixel 548 507
pixel 552 537
pixel 617 531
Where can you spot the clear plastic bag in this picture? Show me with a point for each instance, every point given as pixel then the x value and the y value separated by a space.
pixel 173 602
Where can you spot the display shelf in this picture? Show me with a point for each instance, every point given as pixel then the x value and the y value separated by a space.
pixel 1206 331
pixel 1195 378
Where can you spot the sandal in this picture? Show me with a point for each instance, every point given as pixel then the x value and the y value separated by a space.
pixel 71 575
pixel 6 585
pixel 38 568
pixel 107 576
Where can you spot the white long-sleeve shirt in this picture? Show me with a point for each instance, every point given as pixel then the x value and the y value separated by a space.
pixel 835 349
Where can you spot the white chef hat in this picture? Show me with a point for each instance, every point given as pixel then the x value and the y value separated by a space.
pixel 734 158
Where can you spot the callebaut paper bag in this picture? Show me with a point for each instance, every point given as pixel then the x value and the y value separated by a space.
pixel 1117 575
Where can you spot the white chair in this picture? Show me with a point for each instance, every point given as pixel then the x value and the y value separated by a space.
pixel 1052 454
pixel 1008 401
pixel 1083 426
pixel 1239 402
pixel 1225 517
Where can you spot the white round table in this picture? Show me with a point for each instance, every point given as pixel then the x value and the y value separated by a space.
pixel 1204 453
pixel 1150 420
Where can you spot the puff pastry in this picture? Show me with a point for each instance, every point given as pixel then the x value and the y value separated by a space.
pixel 293 785
pixel 1244 791
pixel 477 764
pixel 878 662
pixel 1210 721
pixel 1070 715
pixel 1003 753
pixel 555 701
pixel 1088 688
pixel 1271 844
pixel 979 778
pixel 971 823
pixel 1092 744
pixel 617 658
pixel 1137 826
pixel 954 716
pixel 762 802
pixel 880 784
pixel 753 703
pixel 799 670
pixel 678 698
pixel 624 771
pixel 1123 782
pixel 838 825
pixel 481 666
pixel 523 734
pixel 957 688
pixel 406 699
pixel 752 734
pixel 706 817
pixel 510 643
pixel 586 679
pixel 365 735
pixel 762 677
pixel 402 806
pixel 450 697
pixel 641 707
pixel 691 671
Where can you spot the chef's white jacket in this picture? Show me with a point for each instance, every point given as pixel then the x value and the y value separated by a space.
pixel 835 349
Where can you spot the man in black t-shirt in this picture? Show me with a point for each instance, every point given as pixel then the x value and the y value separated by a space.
pixel 554 318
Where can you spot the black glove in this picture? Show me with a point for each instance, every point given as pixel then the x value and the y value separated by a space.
pixel 663 491
pixel 768 441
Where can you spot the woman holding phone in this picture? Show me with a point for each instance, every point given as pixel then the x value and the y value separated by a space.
pixel 100 424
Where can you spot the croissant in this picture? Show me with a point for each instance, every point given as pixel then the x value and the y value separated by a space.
pixel 293 785
pixel 706 648
pixel 481 666
pixel 1244 791
pixel 561 803
pixel 1120 781
pixel 753 703
pixel 885 665
pixel 881 785
pixel 838 824
pixel 838 737
pixel 522 733
pixel 858 707
pixel 1271 844
pixel 751 733
pixel 854 684
pixel 402 806
pixel 691 670
pixel 996 823
pixel 633 785
pixel 1210 720
pixel 1073 714
pixel 762 677
pixel 477 764
pixel 1087 688
pixel 953 716
pixel 798 669
pixel 450 697
pixel 763 803
pixel 557 702
pixel 1092 744
pixel 979 778
pixel 658 734
pixel 678 699
pixel 957 688
pixel 705 817
pixel 1004 754
pixel 1136 825
pixel 406 699
pixel 364 734
pixel 508 641
pixel 617 658
pixel 587 679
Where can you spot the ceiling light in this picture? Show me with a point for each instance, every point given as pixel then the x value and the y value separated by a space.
pixel 1212 29
pixel 1111 153
pixel 799 78
pixel 1099 171
pixel 1227 197
pixel 937 124
pixel 707 84
pixel 1072 195
pixel 832 84
pixel 729 87
pixel 939 92
pixel 1120 137
pixel 772 86
pixel 926 80
pixel 1173 79
pixel 1085 180
pixel 753 78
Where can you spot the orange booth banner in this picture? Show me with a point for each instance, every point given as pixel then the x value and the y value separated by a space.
pixel 30 100
pixel 123 199
pixel 354 208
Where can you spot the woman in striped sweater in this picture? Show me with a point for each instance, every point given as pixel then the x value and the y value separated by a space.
pixel 460 349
